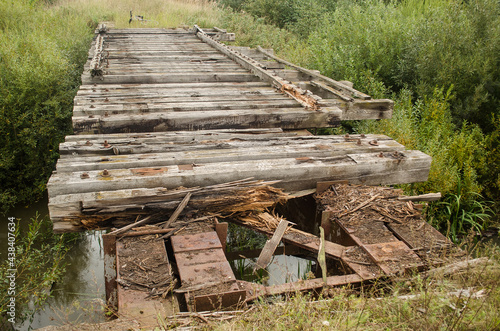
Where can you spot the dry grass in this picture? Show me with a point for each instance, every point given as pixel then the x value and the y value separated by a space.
pixel 156 13
pixel 469 300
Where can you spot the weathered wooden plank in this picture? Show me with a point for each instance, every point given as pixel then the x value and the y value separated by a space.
pixel 333 83
pixel 171 58
pixel 140 108
pixel 119 70
pixel 311 242
pixel 422 197
pixel 271 245
pixel 183 136
pixel 183 96
pixel 217 151
pixel 130 203
pixel 287 118
pixel 295 174
pixel 144 55
pixel 311 284
pixel 91 89
pixel 155 78
pixel 298 94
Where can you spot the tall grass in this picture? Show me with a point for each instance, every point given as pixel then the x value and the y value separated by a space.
pixel 42 53
pixel 468 300
pixel 412 51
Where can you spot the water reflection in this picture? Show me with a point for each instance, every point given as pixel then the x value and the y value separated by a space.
pixel 79 296
pixel 282 269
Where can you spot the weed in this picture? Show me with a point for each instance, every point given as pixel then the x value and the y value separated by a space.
pixel 39 263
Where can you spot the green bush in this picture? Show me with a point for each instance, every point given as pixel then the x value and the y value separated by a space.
pixel 42 53
pixel 39 262
pixel 417 45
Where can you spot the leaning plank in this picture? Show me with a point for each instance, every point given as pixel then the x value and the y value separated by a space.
pixel 128 227
pixel 341 87
pixel 298 94
pixel 178 210
pixel 270 246
pixel 422 197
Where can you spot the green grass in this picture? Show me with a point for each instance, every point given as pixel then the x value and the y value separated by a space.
pixel 468 300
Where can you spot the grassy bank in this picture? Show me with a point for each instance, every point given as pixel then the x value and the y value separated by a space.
pixel 43 47
pixel 438 60
pixel 469 300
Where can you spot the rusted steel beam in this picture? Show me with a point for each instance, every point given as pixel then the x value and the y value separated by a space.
pixel 109 249
pixel 221 229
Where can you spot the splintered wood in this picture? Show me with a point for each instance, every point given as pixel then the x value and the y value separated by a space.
pixel 101 180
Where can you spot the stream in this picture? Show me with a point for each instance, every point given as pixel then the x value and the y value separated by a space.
pixel 79 296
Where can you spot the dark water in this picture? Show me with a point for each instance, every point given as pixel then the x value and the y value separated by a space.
pixel 79 296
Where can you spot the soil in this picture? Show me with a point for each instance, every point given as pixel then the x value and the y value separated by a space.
pixel 144 265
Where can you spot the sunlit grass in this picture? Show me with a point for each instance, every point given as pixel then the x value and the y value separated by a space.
pixel 466 300
pixel 156 13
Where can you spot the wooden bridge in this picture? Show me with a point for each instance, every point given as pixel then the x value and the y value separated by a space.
pixel 172 125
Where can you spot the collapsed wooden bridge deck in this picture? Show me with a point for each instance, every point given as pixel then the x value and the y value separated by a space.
pixel 171 118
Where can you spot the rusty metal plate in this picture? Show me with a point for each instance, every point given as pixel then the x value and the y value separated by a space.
pixel 185 259
pixel 185 167
pixel 219 301
pixel 393 257
pixel 206 273
pixel 148 171
pixel 199 241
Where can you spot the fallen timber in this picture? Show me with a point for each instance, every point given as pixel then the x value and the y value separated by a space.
pixel 208 283
pixel 176 132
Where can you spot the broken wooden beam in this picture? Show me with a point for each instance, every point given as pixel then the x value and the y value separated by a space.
pixel 422 197
pixel 178 210
pixel 337 85
pixel 270 246
pixel 301 96
pixel 294 173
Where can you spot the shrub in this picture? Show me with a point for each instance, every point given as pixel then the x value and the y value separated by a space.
pixel 40 69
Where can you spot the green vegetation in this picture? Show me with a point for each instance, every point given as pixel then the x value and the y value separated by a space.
pixel 41 58
pixel 39 263
pixel 439 61
pixel 468 300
